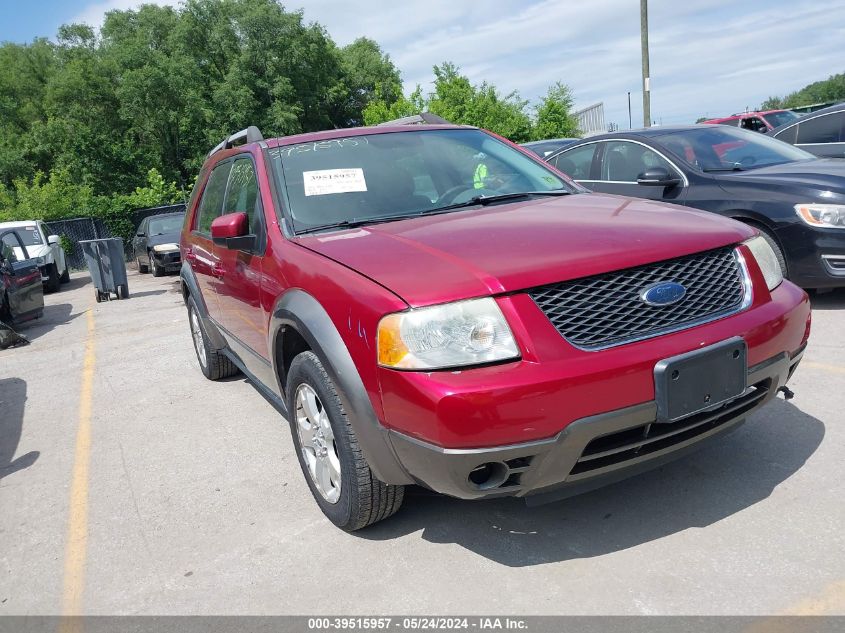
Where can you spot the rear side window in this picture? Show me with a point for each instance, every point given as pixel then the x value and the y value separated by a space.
pixel 788 135
pixel 8 243
pixel 211 204
pixel 576 163
pixel 242 194
pixel 823 129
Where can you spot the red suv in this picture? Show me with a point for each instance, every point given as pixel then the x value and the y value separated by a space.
pixel 433 305
pixel 763 121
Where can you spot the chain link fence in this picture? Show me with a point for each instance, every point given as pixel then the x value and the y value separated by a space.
pixel 74 230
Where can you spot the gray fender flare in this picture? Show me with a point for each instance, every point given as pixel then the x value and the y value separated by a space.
pixel 190 288
pixel 300 310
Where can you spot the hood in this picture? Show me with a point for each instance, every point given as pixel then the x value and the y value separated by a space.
pixel 164 238
pixel 511 247
pixel 39 250
pixel 827 174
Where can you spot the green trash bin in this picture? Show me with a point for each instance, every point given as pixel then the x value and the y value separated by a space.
pixel 107 267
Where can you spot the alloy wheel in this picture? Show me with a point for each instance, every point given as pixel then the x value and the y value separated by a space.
pixel 316 439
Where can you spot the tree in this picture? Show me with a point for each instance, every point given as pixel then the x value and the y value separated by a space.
pixel 831 89
pixel 554 114
pixel 368 75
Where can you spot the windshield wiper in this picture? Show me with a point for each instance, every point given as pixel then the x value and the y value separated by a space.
pixel 736 167
pixel 353 222
pixel 485 200
pixel 474 201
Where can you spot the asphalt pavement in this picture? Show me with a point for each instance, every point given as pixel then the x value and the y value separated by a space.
pixel 130 484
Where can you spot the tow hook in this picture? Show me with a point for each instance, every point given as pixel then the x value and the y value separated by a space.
pixel 788 394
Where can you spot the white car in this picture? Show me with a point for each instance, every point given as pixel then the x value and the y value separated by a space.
pixel 45 249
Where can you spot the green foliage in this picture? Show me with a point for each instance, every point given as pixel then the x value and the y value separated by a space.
pixel 831 89
pixel 554 114
pixel 457 100
pixel 98 123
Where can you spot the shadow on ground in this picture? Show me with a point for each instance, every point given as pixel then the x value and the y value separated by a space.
pixel 729 476
pixel 146 293
pixel 54 316
pixel 12 404
pixel 833 300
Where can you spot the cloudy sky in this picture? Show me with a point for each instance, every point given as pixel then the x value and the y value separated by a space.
pixel 708 57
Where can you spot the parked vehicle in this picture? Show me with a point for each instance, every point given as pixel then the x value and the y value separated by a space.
pixel 794 199
pixel 757 121
pixel 482 332
pixel 821 133
pixel 156 243
pixel 550 146
pixel 21 292
pixel 45 249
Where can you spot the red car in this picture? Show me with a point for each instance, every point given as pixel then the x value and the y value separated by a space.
pixel 433 305
pixel 757 121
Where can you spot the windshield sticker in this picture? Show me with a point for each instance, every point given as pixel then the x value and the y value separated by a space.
pixel 327 181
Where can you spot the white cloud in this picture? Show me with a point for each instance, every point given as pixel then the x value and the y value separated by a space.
pixel 708 57
pixel 95 14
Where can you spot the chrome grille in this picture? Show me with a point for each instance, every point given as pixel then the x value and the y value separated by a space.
pixel 606 310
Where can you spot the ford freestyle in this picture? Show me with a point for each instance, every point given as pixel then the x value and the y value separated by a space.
pixel 432 305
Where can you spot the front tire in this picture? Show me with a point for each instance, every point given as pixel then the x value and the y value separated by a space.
pixel 214 364
pixel 156 270
pixel 773 242
pixel 142 268
pixel 53 281
pixel 65 278
pixel 344 487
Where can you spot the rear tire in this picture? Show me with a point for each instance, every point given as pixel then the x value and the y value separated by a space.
pixel 123 291
pixel 142 268
pixel 214 364
pixel 53 281
pixel 362 499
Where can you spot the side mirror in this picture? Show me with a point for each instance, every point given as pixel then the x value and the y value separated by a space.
pixel 232 231
pixel 53 239
pixel 657 177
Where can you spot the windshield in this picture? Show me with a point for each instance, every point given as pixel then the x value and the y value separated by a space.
pixel 30 235
pixel 718 148
pixel 779 118
pixel 401 174
pixel 166 224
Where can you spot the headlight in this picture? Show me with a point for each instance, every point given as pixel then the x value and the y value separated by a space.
pixel 766 260
pixel 831 216
pixel 451 335
pixel 163 248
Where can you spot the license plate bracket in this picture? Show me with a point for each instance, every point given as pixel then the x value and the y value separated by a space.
pixel 702 379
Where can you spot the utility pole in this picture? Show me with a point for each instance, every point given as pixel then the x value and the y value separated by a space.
pixel 646 78
pixel 630 122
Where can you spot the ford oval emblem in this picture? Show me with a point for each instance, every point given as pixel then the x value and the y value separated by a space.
pixel 663 294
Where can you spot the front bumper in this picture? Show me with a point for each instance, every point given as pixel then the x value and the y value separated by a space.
pixel 815 256
pixel 589 452
pixel 169 260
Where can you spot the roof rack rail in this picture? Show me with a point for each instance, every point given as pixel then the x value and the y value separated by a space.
pixel 419 119
pixel 249 135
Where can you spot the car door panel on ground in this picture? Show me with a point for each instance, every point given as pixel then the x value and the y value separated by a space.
pixel 239 282
pixel 21 279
